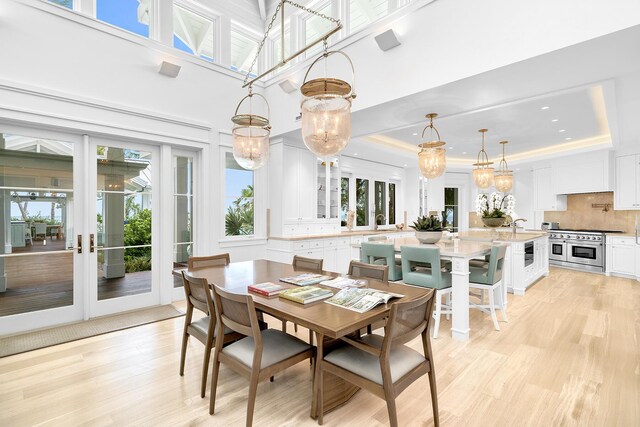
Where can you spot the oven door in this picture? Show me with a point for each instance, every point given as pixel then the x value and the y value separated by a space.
pixel 585 253
pixel 557 250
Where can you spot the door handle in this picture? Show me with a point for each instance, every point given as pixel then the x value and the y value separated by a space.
pixel 91 243
pixel 79 243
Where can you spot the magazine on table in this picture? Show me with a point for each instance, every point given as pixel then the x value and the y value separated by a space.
pixel 306 294
pixel 267 288
pixel 361 300
pixel 305 279
pixel 344 282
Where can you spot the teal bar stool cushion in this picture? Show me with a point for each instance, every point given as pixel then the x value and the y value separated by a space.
pixel 413 272
pixel 492 273
pixel 381 254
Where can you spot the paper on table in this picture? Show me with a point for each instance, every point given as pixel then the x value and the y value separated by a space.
pixel 344 282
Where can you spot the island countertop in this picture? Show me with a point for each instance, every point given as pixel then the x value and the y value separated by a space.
pixel 500 236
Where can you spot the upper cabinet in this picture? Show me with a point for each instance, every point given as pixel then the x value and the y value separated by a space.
pixel 544 196
pixel 299 180
pixel 627 188
pixel 328 186
pixel 583 173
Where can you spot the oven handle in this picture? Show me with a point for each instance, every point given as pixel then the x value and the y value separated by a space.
pixel 585 244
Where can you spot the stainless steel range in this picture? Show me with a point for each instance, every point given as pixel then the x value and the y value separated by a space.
pixel 582 249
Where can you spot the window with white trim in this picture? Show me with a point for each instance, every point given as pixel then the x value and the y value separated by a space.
pixel 365 12
pixel 183 210
pixel 243 50
pixel 130 15
pixel 238 198
pixel 315 26
pixel 193 33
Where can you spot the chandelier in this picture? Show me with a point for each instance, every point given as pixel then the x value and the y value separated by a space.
pixel 503 176
pixel 431 158
pixel 251 135
pixel 326 109
pixel 483 173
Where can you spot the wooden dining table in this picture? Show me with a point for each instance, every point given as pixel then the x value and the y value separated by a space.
pixel 327 321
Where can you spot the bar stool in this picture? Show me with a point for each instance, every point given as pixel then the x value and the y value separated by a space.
pixel 489 278
pixel 414 273
pixel 382 254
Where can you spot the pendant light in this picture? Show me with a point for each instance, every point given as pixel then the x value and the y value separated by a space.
pixel 483 173
pixel 329 110
pixel 250 135
pixel 432 159
pixel 326 110
pixel 503 176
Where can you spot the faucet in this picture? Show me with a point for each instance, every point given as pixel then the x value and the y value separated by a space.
pixel 514 224
pixel 375 222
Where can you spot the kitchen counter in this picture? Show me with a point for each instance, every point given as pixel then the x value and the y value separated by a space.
pixel 500 236
pixel 621 234
pixel 342 234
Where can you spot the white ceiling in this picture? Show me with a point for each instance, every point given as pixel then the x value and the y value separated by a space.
pixel 592 89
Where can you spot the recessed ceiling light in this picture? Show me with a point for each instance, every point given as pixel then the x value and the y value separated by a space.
pixel 554 120
pixel 450 148
pixel 464 152
pixel 355 154
pixel 567 139
pixel 405 165
pixel 415 134
pixel 517 169
pixel 545 108
pixel 562 130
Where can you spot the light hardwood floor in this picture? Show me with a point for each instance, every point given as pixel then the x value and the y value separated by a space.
pixel 570 355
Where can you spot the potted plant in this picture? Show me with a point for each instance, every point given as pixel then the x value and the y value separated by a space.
pixel 492 209
pixel 428 229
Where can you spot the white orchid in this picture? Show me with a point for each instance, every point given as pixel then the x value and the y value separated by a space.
pixel 487 205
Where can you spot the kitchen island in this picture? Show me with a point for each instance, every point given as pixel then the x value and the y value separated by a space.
pixel 527 258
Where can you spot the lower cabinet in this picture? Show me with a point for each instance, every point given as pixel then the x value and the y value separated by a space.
pixel 334 251
pixel 622 256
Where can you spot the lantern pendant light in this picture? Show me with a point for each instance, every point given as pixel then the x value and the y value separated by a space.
pixel 251 135
pixel 431 158
pixel 326 110
pixel 483 173
pixel 503 176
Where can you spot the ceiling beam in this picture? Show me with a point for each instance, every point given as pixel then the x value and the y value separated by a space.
pixel 263 9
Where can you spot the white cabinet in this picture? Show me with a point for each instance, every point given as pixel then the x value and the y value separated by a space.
pixel 334 251
pixel 584 173
pixel 622 256
pixel 328 189
pixel 627 188
pixel 544 196
pixel 299 183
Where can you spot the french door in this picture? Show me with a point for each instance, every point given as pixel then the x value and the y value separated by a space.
pixel 123 212
pixel 77 216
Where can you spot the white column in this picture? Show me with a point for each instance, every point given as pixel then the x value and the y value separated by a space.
pixel 517 268
pixel 460 299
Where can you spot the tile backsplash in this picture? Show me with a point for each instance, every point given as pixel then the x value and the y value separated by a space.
pixel 580 214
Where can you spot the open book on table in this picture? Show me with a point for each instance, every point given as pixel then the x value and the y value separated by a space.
pixel 344 282
pixel 361 300
pixel 305 279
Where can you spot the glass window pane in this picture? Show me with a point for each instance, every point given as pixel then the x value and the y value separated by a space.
pixel 315 26
pixel 450 213
pixel 344 201
pixel 392 203
pixel 238 219
pixel 276 47
pixel 243 50
pixel 183 210
pixel 65 3
pixel 193 33
pixel 380 202
pixel 364 12
pixel 362 202
pixel 36 224
pixel 131 15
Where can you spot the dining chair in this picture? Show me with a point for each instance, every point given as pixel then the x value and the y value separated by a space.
pixel 371 271
pixel 385 366
pixel 382 254
pixel 199 297
pixel 258 356
pixel 417 269
pixel 489 278
pixel 40 230
pixel 219 260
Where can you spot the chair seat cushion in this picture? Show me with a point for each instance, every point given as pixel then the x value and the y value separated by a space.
pixel 276 347
pixel 202 325
pixel 425 279
pixel 478 263
pixel 380 261
pixel 479 275
pixel 402 360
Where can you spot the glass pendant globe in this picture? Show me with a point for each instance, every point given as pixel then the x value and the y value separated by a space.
pixel 503 182
pixel 432 162
pixel 326 124
pixel 250 146
pixel 483 178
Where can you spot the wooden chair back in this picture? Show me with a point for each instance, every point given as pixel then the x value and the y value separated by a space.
pixel 408 320
pixel 196 291
pixel 307 264
pixel 237 313
pixel 371 271
pixel 208 261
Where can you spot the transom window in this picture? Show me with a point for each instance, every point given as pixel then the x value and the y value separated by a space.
pixel 130 15
pixel 193 33
pixel 243 50
pixel 364 12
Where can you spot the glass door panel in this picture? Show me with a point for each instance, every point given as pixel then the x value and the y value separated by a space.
pixel 123 222
pixel 183 213
pixel 38 261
